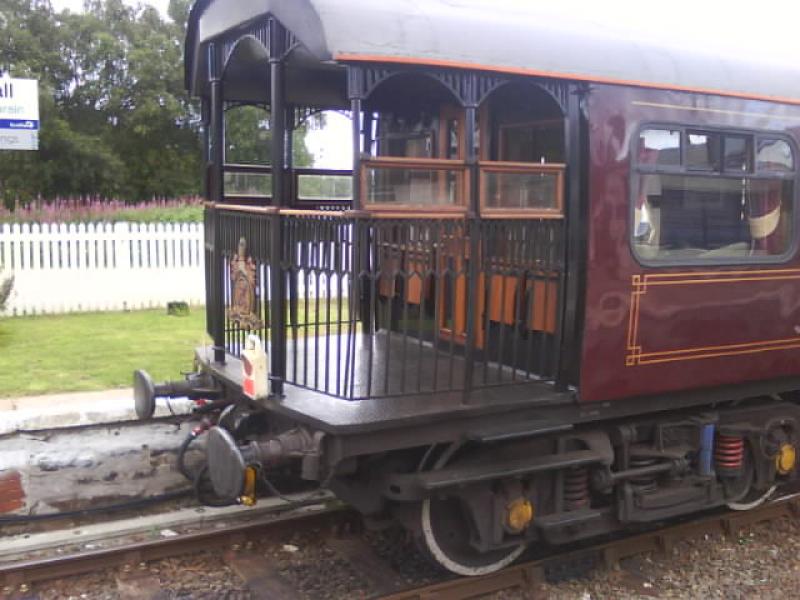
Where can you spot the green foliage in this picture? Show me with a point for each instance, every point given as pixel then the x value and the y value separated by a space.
pixel 115 118
pixel 105 210
pixel 248 136
pixel 182 214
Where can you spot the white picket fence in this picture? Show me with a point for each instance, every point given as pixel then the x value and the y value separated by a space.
pixel 102 266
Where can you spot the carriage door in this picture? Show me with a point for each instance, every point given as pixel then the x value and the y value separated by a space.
pixel 521 149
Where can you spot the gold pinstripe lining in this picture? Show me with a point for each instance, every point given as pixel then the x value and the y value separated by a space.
pixel 639 287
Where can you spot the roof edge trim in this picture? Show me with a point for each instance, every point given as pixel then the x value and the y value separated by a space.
pixel 452 64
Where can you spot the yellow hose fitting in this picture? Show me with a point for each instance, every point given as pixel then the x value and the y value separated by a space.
pixel 248 498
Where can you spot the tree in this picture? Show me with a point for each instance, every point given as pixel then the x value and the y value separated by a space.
pixel 116 120
pixel 248 138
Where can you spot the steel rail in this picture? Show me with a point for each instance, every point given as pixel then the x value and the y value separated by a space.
pixel 30 571
pixel 523 576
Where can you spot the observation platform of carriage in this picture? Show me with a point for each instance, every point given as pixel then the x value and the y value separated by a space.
pixel 429 259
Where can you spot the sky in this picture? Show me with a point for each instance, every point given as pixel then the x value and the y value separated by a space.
pixel 77 5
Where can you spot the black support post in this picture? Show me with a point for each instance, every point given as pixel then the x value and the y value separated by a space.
pixel 472 231
pixel 360 287
pixel 215 193
pixel 288 154
pixel 277 114
pixel 355 110
pixel 205 119
pixel 574 244
pixel 355 91
pixel 292 194
pixel 278 161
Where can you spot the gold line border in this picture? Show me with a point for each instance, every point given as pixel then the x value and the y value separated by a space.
pixel 639 284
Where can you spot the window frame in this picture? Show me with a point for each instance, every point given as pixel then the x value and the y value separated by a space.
pixel 636 169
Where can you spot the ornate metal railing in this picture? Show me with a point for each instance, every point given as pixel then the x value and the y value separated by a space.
pixel 359 306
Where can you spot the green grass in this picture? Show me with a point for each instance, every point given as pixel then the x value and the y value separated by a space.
pixel 176 214
pixel 94 351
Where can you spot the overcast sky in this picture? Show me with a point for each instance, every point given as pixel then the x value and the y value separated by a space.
pixel 77 5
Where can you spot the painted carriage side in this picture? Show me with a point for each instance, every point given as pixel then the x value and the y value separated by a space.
pixel 699 322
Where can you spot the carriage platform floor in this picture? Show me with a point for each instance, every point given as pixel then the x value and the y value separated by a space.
pixel 417 376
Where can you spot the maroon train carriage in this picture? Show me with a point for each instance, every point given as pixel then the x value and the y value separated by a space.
pixel 557 295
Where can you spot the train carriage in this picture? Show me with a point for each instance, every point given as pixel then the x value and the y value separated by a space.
pixel 557 294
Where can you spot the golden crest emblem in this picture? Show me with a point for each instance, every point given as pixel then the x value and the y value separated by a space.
pixel 244 290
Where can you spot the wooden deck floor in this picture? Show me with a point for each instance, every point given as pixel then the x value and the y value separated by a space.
pixel 425 385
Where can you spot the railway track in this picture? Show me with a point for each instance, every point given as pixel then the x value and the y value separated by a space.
pixel 263 579
pixel 14 574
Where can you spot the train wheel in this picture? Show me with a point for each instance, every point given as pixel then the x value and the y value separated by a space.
pixel 445 534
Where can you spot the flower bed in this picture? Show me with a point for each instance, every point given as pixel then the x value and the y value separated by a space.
pixel 96 209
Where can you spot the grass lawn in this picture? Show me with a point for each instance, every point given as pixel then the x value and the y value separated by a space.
pixel 94 351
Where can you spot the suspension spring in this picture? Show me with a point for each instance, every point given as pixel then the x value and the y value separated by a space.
pixel 729 454
pixel 576 488
pixel 645 483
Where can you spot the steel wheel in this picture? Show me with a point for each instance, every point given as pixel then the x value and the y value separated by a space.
pixel 445 534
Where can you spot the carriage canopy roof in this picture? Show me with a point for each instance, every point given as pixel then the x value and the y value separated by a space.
pixel 682 45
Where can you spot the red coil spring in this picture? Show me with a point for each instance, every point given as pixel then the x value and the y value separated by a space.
pixel 576 488
pixel 729 452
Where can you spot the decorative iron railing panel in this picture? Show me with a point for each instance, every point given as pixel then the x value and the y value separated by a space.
pixel 317 260
pixel 245 262
pixel 377 307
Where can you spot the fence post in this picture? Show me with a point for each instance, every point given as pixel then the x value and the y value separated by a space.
pixel 36 246
pixel 16 236
pixel 5 235
pixel 122 246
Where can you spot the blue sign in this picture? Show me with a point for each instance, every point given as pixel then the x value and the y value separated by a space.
pixel 18 124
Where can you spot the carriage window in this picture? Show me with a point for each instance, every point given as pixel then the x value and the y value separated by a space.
pixel 702 152
pixel 522 153
pixel 413 146
pixel 724 212
pixel 660 147
pixel 405 185
pixel 774 155
pixel 737 154
pixel 521 189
